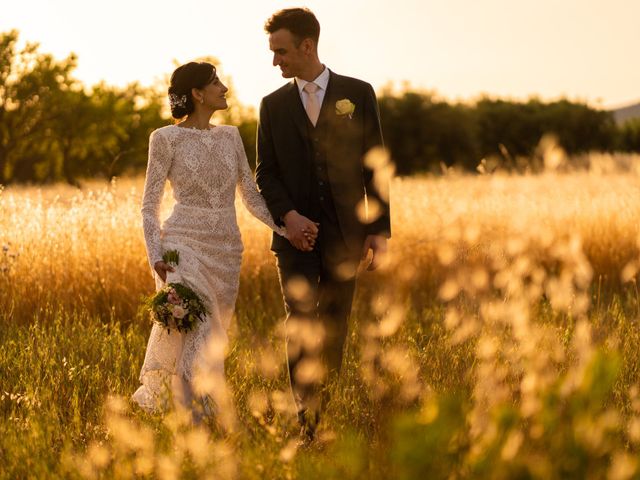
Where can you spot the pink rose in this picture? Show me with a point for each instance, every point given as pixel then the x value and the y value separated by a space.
pixel 178 312
pixel 173 298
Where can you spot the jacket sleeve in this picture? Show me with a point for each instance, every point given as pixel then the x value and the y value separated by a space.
pixel 268 175
pixel 376 181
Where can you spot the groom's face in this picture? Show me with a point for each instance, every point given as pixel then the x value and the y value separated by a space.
pixel 290 56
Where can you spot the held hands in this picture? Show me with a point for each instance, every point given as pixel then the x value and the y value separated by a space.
pixel 301 232
pixel 378 245
pixel 161 269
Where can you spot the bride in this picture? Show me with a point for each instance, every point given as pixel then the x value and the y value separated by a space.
pixel 205 164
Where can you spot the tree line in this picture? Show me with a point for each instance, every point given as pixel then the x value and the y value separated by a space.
pixel 424 133
pixel 54 128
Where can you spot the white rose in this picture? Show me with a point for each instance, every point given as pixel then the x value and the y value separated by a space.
pixel 345 107
pixel 178 312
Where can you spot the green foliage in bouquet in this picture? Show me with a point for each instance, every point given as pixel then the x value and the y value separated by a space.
pixel 175 305
pixel 171 257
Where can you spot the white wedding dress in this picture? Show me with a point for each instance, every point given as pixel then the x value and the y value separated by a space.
pixel 205 168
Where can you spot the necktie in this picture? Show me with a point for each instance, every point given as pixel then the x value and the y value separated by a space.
pixel 312 106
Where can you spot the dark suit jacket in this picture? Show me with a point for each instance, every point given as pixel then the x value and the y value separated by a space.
pixel 285 164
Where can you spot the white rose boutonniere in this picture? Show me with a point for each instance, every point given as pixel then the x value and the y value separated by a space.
pixel 345 107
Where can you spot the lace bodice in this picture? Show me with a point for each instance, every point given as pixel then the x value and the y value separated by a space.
pixel 205 168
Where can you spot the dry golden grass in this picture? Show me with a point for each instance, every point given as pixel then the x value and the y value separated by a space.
pixel 602 211
pixel 500 339
pixel 84 248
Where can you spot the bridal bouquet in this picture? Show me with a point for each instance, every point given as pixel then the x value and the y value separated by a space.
pixel 176 305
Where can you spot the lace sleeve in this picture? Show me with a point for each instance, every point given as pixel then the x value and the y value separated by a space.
pixel 157 170
pixel 249 191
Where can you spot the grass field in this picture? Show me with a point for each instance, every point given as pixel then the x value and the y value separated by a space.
pixel 500 341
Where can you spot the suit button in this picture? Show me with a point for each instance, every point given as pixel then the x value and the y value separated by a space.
pixel 321 198
pixel 320 183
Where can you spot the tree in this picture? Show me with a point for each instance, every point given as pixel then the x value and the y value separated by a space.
pixel 422 132
pixel 629 136
pixel 53 128
pixel 33 87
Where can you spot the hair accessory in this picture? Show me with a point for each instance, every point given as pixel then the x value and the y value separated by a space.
pixel 177 100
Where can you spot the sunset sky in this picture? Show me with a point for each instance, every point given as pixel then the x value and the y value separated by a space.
pixel 583 49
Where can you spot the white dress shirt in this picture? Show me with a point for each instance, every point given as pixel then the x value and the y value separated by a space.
pixel 322 81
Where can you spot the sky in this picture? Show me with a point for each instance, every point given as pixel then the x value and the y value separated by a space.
pixel 585 50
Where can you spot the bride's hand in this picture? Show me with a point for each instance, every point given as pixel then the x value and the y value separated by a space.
pixel 161 269
pixel 308 242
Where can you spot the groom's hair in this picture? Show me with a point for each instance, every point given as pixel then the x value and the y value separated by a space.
pixel 301 22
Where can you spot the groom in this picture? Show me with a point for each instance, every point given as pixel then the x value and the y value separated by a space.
pixel 313 136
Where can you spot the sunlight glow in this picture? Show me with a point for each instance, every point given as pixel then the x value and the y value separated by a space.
pixel 460 48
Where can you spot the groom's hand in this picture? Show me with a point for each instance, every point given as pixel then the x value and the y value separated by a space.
pixel 301 231
pixel 378 245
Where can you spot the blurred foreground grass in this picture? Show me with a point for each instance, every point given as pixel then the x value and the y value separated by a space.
pixel 500 342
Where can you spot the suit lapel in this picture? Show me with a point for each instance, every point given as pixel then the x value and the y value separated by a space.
pixel 299 115
pixel 329 101
pixel 297 110
pixel 328 119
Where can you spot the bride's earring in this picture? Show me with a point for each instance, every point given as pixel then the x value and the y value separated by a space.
pixel 201 99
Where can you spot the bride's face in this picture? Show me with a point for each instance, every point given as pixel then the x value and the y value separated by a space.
pixel 213 95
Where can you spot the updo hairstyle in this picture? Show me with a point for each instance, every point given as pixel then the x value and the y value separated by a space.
pixel 183 79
